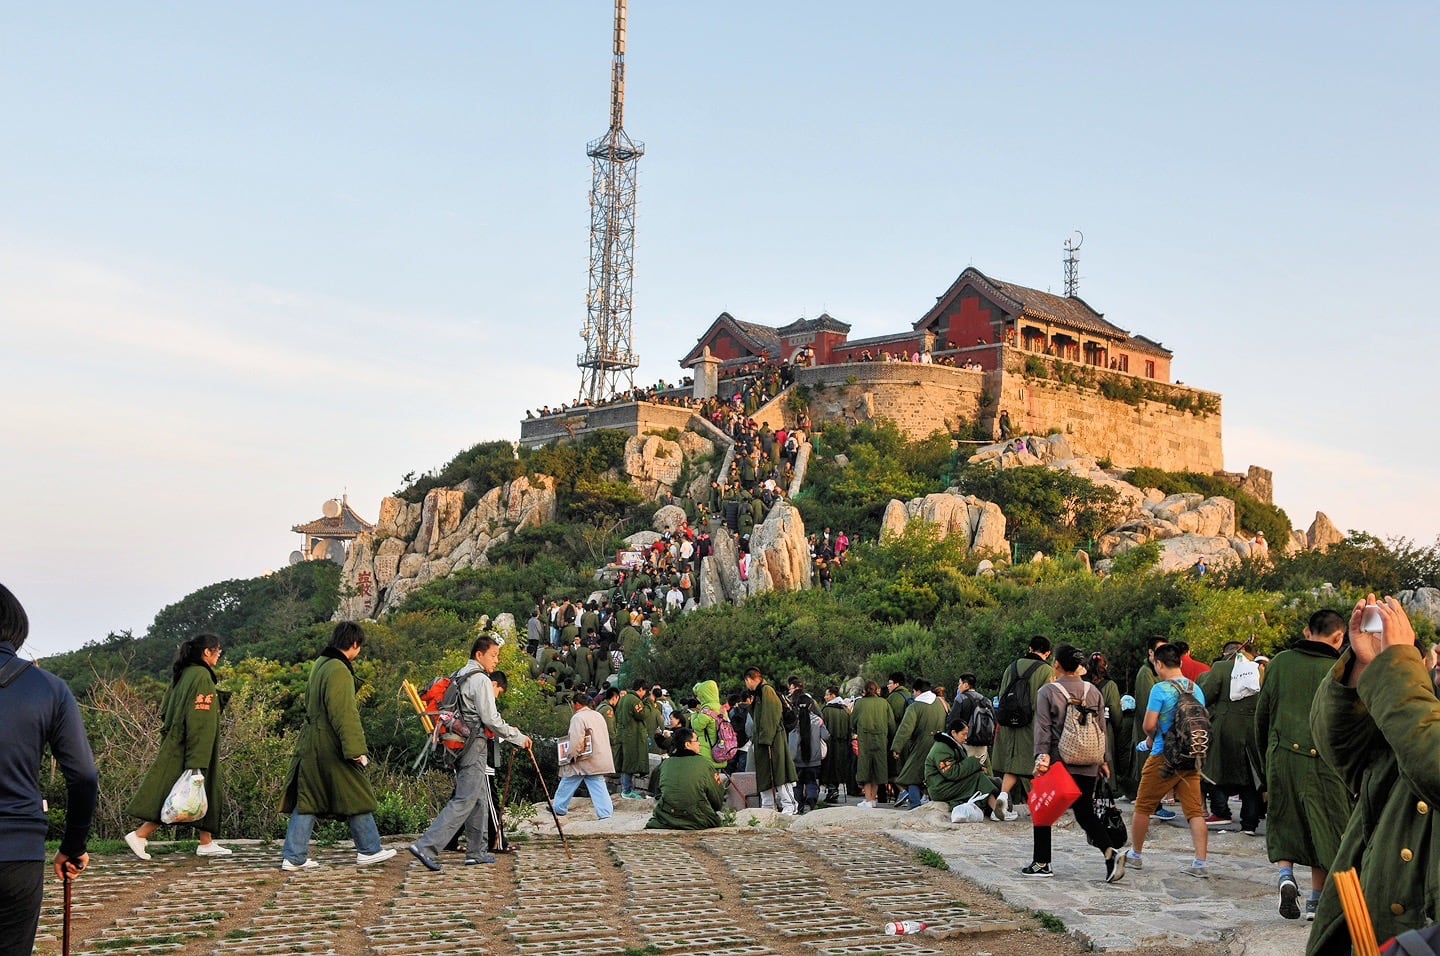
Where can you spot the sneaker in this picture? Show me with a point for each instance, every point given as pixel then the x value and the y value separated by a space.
pixel 477 860
pixel 1010 816
pixel 560 813
pixel 1115 867
pixel 1197 868
pixel 1134 860
pixel 1310 906
pixel 902 801
pixel 210 849
pixel 289 867
pixel 1164 814
pixel 865 805
pixel 136 845
pixel 1289 896
pixel 1037 869
pixel 1211 820
pixel 365 859
pixel 1250 833
pixel 429 862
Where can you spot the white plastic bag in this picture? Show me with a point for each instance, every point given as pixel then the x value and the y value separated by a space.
pixel 1245 678
pixel 969 812
pixel 186 802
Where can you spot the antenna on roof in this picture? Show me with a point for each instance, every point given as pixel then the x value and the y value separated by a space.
pixel 1072 264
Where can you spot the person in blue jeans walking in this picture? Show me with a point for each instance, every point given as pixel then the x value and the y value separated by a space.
pixel 327 776
pixel 589 761
pixel 470 807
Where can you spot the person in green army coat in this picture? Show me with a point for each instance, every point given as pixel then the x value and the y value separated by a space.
pixel 775 773
pixel 191 741
pixel 606 708
pixel 838 768
pixel 924 718
pixel 953 776
pixel 1144 683
pixel 1014 752
pixel 1097 672
pixel 1309 802
pixel 690 792
pixel 875 723
pixel 1377 720
pixel 327 776
pixel 582 662
pixel 1232 743
pixel 633 739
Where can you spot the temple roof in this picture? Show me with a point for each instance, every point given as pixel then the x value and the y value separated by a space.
pixel 347 524
pixel 761 340
pixel 1140 343
pixel 824 322
pixel 1069 311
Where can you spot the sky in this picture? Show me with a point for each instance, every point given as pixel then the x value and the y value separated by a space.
pixel 255 256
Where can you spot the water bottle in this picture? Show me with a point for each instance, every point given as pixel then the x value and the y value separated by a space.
pixel 907 927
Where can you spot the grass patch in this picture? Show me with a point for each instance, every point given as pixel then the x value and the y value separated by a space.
pixel 1050 921
pixel 931 858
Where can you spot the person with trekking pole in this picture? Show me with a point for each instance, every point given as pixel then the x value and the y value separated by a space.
pixel 470 807
pixel 39 711
pixel 775 774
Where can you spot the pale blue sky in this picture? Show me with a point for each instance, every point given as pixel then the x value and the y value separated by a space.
pixel 255 255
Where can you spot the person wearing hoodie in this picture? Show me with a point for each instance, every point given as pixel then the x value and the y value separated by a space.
pixel 953 776
pixel 704 720
pixel 923 719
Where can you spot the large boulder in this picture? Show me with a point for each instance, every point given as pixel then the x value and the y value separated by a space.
pixel 669 519
pixel 712 590
pixel 780 552
pixel 641 540
pixel 949 514
pixel 1322 533
pixel 894 520
pixel 1423 602
pixel 1213 517
pixel 440 516
pixel 989 534
pixel 1183 552
pixel 398 518
pixel 725 556
pixel 653 464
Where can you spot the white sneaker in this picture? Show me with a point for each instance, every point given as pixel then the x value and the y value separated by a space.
pixel 365 859
pixel 136 844
pixel 291 867
pixel 1002 806
pixel 865 805
pixel 212 849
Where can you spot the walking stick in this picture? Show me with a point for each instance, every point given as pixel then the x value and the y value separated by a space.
pixel 546 790
pixel 65 923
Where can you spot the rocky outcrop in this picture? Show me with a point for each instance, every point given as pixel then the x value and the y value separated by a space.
pixel 978 525
pixel 416 542
pixel 654 465
pixel 1322 533
pixel 1422 602
pixel 668 519
pixel 779 552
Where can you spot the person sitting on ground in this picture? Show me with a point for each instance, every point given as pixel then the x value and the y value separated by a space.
pixel 953 776
pixel 690 791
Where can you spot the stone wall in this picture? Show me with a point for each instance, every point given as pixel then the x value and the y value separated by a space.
pixel 634 418
pixel 918 398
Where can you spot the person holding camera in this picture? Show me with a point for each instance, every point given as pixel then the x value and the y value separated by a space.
pixel 1376 720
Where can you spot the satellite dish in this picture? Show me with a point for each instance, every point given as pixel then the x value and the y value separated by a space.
pixel 296 557
pixel 335 551
pixel 331 508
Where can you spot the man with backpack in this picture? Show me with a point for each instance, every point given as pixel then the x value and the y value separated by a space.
pixel 1014 752
pixel 470 807
pixel 1175 719
pixel 974 711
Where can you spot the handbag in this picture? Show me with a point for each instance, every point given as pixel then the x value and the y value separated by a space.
pixel 1051 794
pixel 1082 742
pixel 1117 834
pixel 186 801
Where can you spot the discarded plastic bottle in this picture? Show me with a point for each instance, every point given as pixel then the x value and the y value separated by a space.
pixel 904 927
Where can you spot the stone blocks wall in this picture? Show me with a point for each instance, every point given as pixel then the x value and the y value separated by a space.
pixel 918 398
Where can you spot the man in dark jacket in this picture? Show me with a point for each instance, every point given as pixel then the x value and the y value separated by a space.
pixel 39 711
pixel 327 776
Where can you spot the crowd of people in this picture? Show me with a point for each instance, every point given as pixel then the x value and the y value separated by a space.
pixel 1332 743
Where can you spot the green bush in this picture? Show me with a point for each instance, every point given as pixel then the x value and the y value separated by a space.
pixel 1250 514
pixel 1050 511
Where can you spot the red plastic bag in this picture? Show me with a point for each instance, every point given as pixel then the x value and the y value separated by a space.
pixel 1051 794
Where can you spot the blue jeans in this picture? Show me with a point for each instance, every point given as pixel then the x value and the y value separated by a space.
pixel 297 835
pixel 595 783
pixel 469 808
pixel 916 794
pixel 627 783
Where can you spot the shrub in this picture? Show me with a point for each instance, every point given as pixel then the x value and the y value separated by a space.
pixel 1250 513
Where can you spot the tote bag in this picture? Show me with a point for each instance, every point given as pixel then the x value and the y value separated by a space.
pixel 1051 794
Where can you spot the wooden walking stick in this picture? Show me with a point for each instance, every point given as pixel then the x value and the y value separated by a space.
pixel 65 920
pixel 546 790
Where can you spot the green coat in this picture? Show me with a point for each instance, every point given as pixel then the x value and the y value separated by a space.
pixel 839 764
pixel 690 796
pixel 875 724
pixel 1110 694
pixel 1383 737
pixel 324 778
pixel 630 732
pixel 922 721
pixel 1232 729
pixel 961 776
pixel 1308 802
pixel 708 693
pixel 191 741
pixel 582 661
pixel 771 750
pixel 1014 750
pixel 1144 683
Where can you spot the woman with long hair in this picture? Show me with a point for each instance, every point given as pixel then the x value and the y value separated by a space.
pixel 191 741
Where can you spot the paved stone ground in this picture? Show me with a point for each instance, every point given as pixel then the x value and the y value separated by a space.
pixel 820 885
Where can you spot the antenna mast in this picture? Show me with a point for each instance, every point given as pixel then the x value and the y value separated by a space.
pixel 1072 264
pixel 609 352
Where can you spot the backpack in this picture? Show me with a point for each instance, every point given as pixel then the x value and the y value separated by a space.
pixel 1416 942
pixel 1016 707
pixel 451 736
pixel 788 718
pixel 1188 739
pixel 727 745
pixel 1082 742
pixel 982 722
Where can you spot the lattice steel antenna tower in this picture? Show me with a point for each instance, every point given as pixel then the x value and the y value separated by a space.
pixel 1072 263
pixel 609 352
